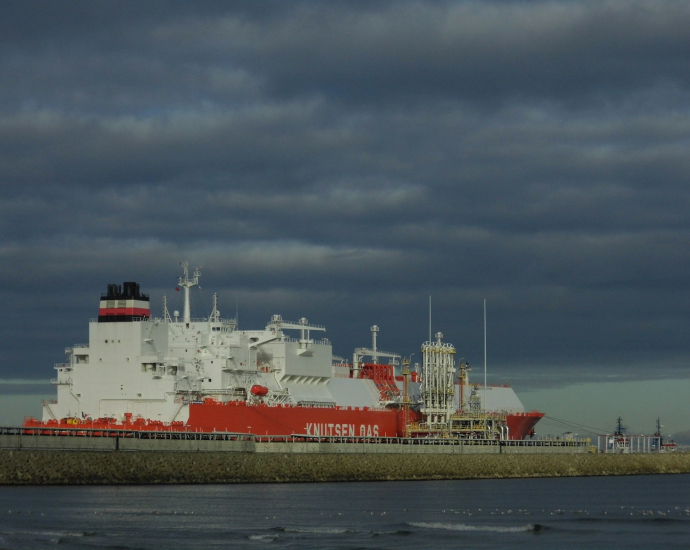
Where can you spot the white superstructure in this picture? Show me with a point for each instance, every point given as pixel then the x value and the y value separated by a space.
pixel 136 365
pixel 153 367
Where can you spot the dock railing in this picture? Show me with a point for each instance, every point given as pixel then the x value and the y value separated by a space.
pixel 82 438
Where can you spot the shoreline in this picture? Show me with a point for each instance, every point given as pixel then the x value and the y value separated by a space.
pixel 53 467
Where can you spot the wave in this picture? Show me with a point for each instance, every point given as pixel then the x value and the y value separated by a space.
pixel 263 538
pixel 400 533
pixel 634 519
pixel 343 531
pixel 36 533
pixel 315 530
pixel 534 527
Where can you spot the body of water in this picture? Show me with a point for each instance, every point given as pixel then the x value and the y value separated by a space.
pixel 598 512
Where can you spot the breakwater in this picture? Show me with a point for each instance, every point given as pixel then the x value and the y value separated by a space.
pixel 48 467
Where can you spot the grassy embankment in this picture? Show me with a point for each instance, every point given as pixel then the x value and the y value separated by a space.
pixel 55 467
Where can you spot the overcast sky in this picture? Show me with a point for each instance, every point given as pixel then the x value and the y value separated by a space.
pixel 342 161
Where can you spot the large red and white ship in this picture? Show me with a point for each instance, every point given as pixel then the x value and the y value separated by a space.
pixel 177 373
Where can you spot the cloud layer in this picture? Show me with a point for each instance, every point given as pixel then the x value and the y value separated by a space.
pixel 345 161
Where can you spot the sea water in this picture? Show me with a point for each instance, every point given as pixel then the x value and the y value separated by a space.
pixel 597 512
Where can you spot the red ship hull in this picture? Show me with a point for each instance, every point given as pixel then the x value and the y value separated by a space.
pixel 237 416
pixel 520 425
pixel 352 422
pixel 283 421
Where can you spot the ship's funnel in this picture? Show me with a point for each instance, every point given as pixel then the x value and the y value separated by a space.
pixel 123 303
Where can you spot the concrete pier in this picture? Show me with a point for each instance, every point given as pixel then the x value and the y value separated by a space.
pixel 132 441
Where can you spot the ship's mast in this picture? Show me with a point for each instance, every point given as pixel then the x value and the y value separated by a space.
pixel 658 431
pixel 619 428
pixel 187 283
pixel 215 314
pixel 484 399
pixel 166 313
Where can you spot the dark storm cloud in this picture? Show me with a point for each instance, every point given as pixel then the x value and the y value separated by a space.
pixel 174 54
pixel 467 49
pixel 345 160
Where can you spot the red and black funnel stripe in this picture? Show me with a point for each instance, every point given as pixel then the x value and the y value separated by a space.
pixel 123 303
